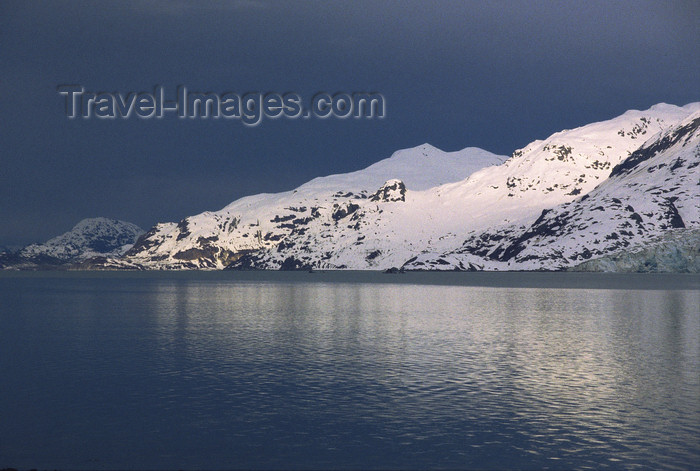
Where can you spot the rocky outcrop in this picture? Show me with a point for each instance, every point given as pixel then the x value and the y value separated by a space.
pixel 392 190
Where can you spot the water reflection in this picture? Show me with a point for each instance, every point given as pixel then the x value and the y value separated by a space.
pixel 235 374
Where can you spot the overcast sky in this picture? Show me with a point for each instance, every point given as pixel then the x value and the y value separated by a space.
pixel 491 74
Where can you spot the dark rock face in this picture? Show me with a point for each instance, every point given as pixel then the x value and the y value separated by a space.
pixel 374 254
pixel 246 261
pixel 293 264
pixel 144 242
pixel 645 153
pixel 183 226
pixel 541 227
pixel 283 218
pixel 675 220
pixel 192 254
pixel 393 190
pixel 343 210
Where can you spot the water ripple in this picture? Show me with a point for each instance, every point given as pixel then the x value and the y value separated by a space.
pixel 288 374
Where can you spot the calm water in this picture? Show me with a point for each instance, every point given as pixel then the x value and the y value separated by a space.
pixel 349 370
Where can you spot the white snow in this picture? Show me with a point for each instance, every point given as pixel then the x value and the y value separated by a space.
pixel 332 222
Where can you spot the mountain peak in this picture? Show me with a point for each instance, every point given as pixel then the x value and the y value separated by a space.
pixel 428 147
pixel 551 205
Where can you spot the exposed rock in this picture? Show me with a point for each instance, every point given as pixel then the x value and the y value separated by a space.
pixel 392 190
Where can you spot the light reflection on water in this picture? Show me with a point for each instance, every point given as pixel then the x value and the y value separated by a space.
pixel 218 372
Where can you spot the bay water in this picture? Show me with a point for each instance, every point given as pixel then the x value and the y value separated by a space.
pixel 349 370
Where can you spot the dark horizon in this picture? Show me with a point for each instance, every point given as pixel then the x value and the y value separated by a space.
pixel 454 74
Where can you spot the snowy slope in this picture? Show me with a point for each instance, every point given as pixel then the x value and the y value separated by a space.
pixel 89 238
pixel 254 223
pixel 380 234
pixel 440 210
pixel 655 190
pixel 565 165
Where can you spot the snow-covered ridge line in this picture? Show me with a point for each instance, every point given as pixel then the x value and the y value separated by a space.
pixel 654 191
pixel 256 223
pixel 493 202
pixel 578 194
pixel 334 223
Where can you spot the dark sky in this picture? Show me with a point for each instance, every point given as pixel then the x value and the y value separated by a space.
pixel 494 74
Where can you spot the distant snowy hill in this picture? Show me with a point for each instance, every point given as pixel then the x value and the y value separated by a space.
pixel 89 238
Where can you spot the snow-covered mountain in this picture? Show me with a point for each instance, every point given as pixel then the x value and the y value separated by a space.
pixel 270 222
pixel 434 209
pixel 89 238
pixel 654 190
pixel 578 194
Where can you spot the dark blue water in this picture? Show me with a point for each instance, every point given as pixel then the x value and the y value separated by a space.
pixel 350 370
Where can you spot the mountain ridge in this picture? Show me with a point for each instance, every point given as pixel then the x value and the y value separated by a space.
pixel 487 198
pixel 655 189
pixel 423 208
